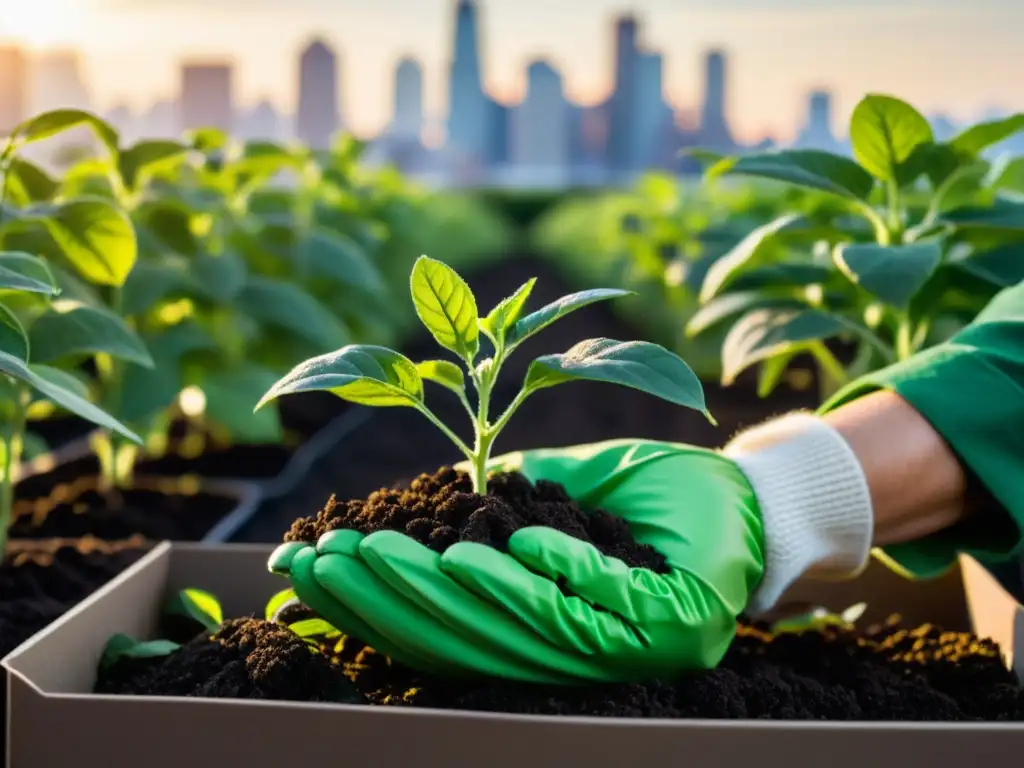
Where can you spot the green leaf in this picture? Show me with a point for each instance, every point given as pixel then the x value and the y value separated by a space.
pixel 804 167
pixel 893 273
pixel 72 328
pixel 773 369
pixel 171 224
pixel 97 238
pixel 635 364
pixel 122 646
pixel 884 132
pixel 506 313
pixel 51 123
pixel 763 333
pixel 979 137
pixel 545 316
pixel 30 182
pixel 723 307
pixel 63 397
pixel 313 628
pixel 726 268
pixel 1002 266
pixel 359 373
pixel 207 139
pixel 277 602
pixel 446 306
pixel 64 379
pixel 147 391
pixel 148 284
pixel 231 396
pixel 442 372
pixel 782 275
pixel 146 153
pixel 13 339
pixel 958 188
pixel 1003 215
pixel 22 272
pixel 340 259
pixel 198 605
pixel 285 305
pixel 220 277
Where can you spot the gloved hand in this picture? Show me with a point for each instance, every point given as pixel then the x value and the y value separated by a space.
pixel 476 610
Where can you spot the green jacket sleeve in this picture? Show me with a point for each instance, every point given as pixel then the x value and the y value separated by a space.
pixel 971 390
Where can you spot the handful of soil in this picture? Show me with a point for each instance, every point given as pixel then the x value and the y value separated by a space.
pixel 889 672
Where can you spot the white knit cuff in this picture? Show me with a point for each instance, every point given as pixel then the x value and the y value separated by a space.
pixel 814 500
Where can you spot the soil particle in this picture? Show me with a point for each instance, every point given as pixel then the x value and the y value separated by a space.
pixel 245 659
pixel 441 509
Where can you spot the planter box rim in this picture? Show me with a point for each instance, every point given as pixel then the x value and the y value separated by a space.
pixel 40 692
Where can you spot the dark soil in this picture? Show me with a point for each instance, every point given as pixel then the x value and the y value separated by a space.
pixel 441 509
pixel 395 442
pixel 885 673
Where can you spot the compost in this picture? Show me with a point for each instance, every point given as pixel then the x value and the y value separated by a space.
pixel 887 672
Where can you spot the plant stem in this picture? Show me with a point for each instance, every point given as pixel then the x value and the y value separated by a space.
pixel 895 218
pixel 12 443
pixel 904 338
pixel 834 375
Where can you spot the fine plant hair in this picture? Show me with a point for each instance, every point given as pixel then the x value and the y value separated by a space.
pixel 377 376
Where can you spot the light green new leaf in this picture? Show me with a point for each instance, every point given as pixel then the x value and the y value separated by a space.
pixel 884 132
pixel 506 313
pixel 199 605
pixel 63 397
pixel 231 396
pixel 28 183
pixel 763 333
pixel 277 602
pixel 360 373
pixel 893 273
pixel 207 139
pixel 22 272
pixel 13 339
pixel 636 364
pixel 979 137
pixel 340 259
pixel 51 123
pixel 723 307
pixel 313 628
pixel 146 153
pixel 442 372
pixel 97 238
pixel 809 168
pixel 545 316
pixel 285 305
pixel 121 646
pixel 72 328
pixel 446 306
pixel 726 268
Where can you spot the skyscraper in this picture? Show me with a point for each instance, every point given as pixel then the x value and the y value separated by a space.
pixel 407 122
pixel 817 132
pixel 13 87
pixel 714 123
pixel 653 116
pixel 206 99
pixel 623 102
pixel 469 108
pixel 318 112
pixel 540 127
pixel 57 81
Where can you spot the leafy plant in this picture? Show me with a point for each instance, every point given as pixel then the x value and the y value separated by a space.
pixel 890 251
pixel 377 376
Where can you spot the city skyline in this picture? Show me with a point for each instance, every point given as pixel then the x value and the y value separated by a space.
pixel 962 75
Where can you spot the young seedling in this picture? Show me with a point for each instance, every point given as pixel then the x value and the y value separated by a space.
pixel 377 376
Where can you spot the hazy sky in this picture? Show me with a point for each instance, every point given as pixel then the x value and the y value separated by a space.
pixel 953 56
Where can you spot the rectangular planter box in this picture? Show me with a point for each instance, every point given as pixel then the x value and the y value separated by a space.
pixel 54 720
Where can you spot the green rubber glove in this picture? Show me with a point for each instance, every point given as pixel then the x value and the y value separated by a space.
pixel 474 610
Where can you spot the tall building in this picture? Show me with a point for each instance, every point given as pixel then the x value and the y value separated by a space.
pixel 407 122
pixel 653 115
pixel 318 113
pixel 540 127
pixel 57 81
pixel 469 108
pixel 13 87
pixel 714 123
pixel 623 102
pixel 817 132
pixel 261 123
pixel 206 99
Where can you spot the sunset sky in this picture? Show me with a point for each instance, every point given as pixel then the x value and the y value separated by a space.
pixel 950 56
